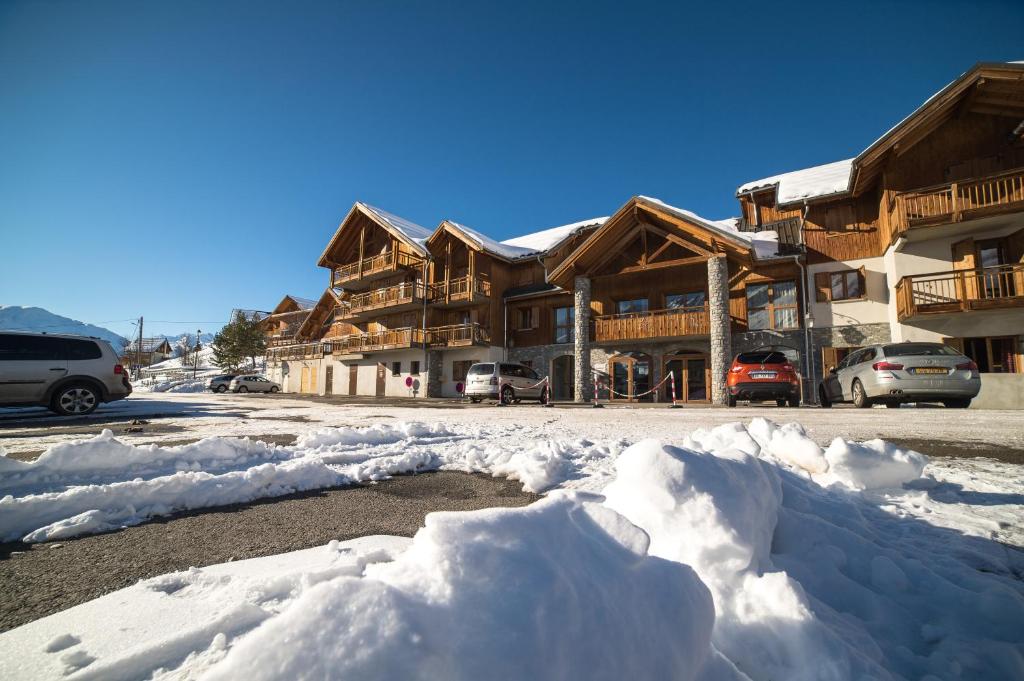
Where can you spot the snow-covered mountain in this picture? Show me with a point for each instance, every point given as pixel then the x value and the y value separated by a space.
pixel 17 318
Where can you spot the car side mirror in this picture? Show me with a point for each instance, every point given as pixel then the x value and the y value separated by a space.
pixel 831 370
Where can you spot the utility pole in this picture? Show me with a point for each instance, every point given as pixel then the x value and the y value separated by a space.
pixel 138 353
pixel 195 358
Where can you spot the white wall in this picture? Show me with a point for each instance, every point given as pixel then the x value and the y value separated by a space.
pixel 366 380
pixel 872 309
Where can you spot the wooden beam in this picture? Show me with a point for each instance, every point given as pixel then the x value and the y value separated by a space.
pixel 643 245
pixel 661 249
pixel 681 262
pixel 362 245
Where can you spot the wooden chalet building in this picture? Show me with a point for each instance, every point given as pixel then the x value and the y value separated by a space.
pixel 919 237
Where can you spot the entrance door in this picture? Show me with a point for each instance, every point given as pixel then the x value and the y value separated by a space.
pixel 329 380
pixel 304 380
pixel 382 372
pixel 630 377
pixel 563 375
pixel 692 377
pixel 353 378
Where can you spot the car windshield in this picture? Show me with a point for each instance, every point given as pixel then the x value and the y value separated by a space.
pixel 767 357
pixel 481 369
pixel 918 349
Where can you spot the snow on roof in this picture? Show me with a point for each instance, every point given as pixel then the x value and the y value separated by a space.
pixel 488 244
pixel 545 240
pixel 410 230
pixel 765 244
pixel 809 183
pixel 303 303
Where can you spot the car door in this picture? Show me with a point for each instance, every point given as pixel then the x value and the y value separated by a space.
pixel 525 382
pixel 29 365
pixel 846 373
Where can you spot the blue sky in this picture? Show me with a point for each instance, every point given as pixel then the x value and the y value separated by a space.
pixel 179 159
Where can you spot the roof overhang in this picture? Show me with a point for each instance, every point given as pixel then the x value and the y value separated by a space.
pixel 317 315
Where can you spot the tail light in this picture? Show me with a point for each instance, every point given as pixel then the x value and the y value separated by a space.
pixel 886 366
pixel 967 365
pixel 494 380
pixel 118 369
pixel 737 369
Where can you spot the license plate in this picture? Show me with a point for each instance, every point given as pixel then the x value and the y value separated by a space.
pixel 929 370
pixel 762 374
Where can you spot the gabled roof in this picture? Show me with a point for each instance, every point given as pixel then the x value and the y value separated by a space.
pixel 986 87
pixel 404 230
pixel 479 241
pixel 719 234
pixel 328 300
pixel 292 303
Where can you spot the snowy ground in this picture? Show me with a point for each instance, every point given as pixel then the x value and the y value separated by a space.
pixel 720 550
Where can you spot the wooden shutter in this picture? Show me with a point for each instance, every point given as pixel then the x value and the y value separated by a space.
pixel 823 286
pixel 862 276
pixel 963 255
pixel 829 358
pixel 955 343
pixel 535 317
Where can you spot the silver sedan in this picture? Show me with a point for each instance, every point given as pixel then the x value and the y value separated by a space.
pixel 253 383
pixel 893 373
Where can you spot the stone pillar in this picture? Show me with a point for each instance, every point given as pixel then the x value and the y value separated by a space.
pixel 720 330
pixel 583 388
pixel 434 359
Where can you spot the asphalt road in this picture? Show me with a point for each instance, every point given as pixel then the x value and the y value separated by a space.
pixel 40 579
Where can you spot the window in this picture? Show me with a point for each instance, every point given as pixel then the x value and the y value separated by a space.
pixel 565 325
pixel 685 300
pixel 396 368
pixel 840 219
pixel 525 318
pixel 846 285
pixel 631 306
pixel 15 347
pixel 772 305
pixel 482 370
pixel 82 349
pixel 993 355
pixel 414 367
pixel 461 369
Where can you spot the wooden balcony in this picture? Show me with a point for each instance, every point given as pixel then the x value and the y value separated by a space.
pixel 957 291
pixel 458 335
pixel 462 291
pixel 398 298
pixel 958 201
pixel 378 341
pixel 690 321
pixel 295 351
pixel 361 273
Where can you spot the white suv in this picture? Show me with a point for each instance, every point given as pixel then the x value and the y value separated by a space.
pixel 70 375
pixel 506 382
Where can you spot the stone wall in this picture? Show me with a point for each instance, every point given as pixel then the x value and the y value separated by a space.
pixel 584 382
pixel 720 326
pixel 434 367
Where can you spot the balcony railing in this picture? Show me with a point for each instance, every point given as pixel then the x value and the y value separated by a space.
pixel 459 334
pixel 375 341
pixel 958 201
pixel 788 231
pixel 960 290
pixel 689 321
pixel 295 351
pixel 463 289
pixel 375 266
pixel 404 294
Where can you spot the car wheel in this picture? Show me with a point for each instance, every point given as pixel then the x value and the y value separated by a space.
pixel 544 396
pixel 860 397
pixel 731 401
pixel 222 388
pixel 243 389
pixel 507 395
pixel 77 399
pixel 794 401
pixel 823 397
pixel 780 403
pixel 957 403
pixel 273 389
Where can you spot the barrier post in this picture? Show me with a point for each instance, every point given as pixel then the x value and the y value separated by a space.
pixel 547 393
pixel 501 396
pixel 672 386
pixel 596 404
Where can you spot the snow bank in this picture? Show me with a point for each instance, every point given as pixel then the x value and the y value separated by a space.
pixel 747 554
pixel 872 464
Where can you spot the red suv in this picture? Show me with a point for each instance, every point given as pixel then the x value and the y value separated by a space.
pixel 763 375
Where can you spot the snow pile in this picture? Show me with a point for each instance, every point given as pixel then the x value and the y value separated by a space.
pixel 745 554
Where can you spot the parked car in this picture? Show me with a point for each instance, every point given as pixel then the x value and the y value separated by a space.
pixel 763 375
pixel 893 373
pixel 504 381
pixel 252 383
pixel 70 375
pixel 220 384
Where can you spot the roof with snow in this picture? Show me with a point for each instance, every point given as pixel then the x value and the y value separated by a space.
pixel 488 244
pixel 546 240
pixel 809 183
pixel 406 231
